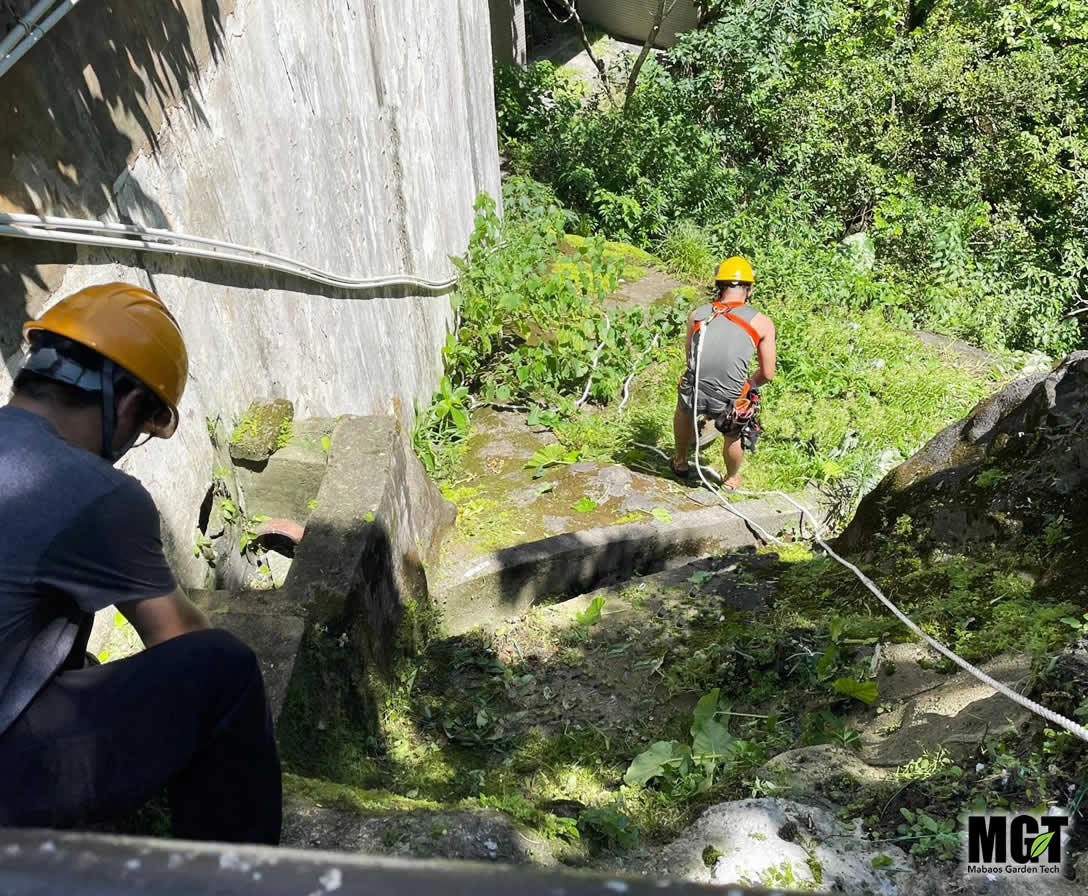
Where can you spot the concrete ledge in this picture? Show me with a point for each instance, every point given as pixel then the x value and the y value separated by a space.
pixel 509 581
pixel 269 623
pixel 35 863
pixel 377 525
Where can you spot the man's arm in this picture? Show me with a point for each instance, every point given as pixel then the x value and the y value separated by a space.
pixel 766 351
pixel 158 619
pixel 691 332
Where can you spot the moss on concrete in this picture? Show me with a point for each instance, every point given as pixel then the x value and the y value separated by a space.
pixel 265 427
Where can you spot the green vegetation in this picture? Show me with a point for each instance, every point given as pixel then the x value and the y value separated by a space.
pixel 853 394
pixel 885 168
pixel 923 160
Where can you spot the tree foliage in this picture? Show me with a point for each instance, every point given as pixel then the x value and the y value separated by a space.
pixel 952 133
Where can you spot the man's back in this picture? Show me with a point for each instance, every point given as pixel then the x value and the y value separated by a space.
pixel 80 535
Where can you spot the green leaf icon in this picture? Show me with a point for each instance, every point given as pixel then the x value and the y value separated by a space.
pixel 1040 843
pixel 585 505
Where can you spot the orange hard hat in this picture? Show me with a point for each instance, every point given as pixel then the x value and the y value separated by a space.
pixel 736 269
pixel 131 327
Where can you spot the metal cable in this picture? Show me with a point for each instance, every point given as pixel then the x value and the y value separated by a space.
pixel 149 239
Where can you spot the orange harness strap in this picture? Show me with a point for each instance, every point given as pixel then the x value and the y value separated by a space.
pixel 722 309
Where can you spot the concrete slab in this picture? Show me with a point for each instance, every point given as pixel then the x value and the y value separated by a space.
pixel 287 484
pixel 507 582
pixel 375 531
pixel 34 863
pixel 268 623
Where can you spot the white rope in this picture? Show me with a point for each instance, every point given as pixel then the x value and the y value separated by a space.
pixel 627 382
pixel 596 357
pixel 1068 724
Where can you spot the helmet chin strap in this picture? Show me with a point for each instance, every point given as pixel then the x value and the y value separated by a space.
pixel 109 417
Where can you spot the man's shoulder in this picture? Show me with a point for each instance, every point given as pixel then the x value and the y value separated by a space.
pixel 35 452
pixel 763 323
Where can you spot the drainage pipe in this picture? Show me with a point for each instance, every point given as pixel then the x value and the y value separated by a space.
pixel 22 27
pixel 84 232
pixel 34 32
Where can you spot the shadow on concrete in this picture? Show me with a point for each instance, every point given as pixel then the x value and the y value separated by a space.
pixel 74 109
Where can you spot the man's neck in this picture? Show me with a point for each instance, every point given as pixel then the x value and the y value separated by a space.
pixel 81 427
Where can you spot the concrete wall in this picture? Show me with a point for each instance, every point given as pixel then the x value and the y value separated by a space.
pixel 508 42
pixel 634 18
pixel 350 134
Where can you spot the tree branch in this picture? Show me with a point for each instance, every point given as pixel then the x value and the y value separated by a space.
pixel 659 16
pixel 571 8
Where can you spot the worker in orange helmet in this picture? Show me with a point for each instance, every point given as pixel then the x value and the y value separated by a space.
pixel 81 742
pixel 722 336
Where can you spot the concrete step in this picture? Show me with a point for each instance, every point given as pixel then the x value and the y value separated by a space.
pixel 269 623
pixel 507 582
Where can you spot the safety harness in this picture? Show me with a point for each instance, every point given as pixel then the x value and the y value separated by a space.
pixel 742 410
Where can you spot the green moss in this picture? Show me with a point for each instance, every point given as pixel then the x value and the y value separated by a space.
pixel 362 801
pixel 284 435
pixel 636 262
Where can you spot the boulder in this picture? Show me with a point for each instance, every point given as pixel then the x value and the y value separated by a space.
pixel 782 844
pixel 998 477
pixel 265 427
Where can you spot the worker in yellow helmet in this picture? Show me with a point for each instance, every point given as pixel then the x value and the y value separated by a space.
pixel 722 336
pixel 82 742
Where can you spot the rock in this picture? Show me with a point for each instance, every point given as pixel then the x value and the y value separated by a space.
pixel 1024 438
pixel 781 843
pixel 265 426
pixel 823 770
pixel 957 712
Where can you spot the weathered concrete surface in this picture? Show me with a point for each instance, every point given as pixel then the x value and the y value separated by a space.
pixel 354 137
pixel 265 620
pixel 479 835
pixel 268 623
pixel 287 484
pixel 35 863
pixel 507 582
pixel 377 527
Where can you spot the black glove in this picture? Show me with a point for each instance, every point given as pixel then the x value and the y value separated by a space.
pixel 750 435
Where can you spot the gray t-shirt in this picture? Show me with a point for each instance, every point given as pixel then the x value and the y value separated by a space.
pixel 78 536
pixel 726 351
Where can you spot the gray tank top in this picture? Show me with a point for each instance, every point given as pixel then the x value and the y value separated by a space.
pixel 726 351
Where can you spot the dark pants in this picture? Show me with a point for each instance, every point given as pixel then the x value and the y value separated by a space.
pixel 189 715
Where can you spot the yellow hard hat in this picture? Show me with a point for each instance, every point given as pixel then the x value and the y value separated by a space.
pixel 737 269
pixel 131 327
